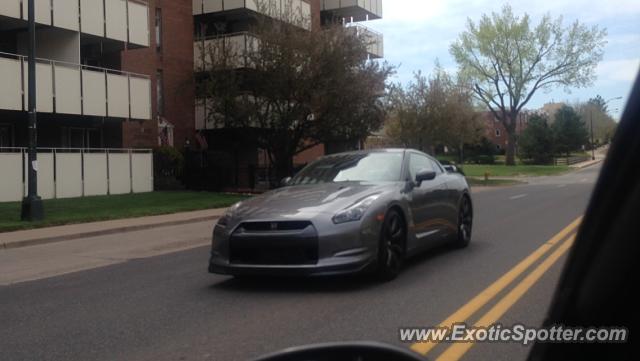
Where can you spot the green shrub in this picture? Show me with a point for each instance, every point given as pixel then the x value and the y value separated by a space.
pixel 168 167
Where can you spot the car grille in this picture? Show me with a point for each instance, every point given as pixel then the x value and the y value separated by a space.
pixel 274 243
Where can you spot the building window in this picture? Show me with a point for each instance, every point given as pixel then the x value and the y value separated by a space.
pixel 160 92
pixel 159 29
pixel 498 147
pixel 498 132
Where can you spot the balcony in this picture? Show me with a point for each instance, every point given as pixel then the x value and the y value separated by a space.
pixel 66 88
pixel 374 39
pixel 297 11
pixel 355 10
pixel 233 48
pixel 121 20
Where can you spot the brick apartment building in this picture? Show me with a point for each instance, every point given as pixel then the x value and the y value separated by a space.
pixel 169 62
pixel 495 131
pixel 122 73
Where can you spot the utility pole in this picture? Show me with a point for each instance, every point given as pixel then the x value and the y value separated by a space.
pixel 593 151
pixel 32 209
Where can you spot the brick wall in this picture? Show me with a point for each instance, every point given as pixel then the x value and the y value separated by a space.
pixel 176 63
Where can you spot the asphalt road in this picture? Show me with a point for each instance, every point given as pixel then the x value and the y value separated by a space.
pixel 169 308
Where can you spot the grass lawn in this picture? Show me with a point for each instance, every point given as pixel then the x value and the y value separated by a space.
pixel 498 170
pixel 89 209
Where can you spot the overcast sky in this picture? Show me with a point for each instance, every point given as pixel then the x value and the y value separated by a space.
pixel 416 32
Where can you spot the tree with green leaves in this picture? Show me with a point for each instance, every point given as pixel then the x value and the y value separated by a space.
pixel 299 88
pixel 604 126
pixel 433 111
pixel 536 143
pixel 599 103
pixel 509 60
pixel 569 130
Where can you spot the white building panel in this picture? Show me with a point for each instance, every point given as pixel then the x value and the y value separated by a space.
pixel 142 169
pixel 197 7
pixel 119 173
pixel 67 87
pixel 66 14
pixel 68 175
pixel 212 6
pixel 140 97
pixel 118 96
pixel 11 84
pixel 10 8
pixel 94 97
pixel 95 174
pixel 92 17
pixel 116 18
pixel 11 187
pixel 138 24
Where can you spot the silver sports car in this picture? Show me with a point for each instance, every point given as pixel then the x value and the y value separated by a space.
pixel 346 213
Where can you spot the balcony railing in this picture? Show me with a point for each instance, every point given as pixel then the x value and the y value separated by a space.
pixel 122 20
pixel 232 48
pixel 374 39
pixel 357 10
pixel 297 12
pixel 66 88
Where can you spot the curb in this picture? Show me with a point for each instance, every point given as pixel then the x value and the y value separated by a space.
pixel 140 227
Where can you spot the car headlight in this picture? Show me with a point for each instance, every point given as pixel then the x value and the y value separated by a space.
pixel 354 212
pixel 228 214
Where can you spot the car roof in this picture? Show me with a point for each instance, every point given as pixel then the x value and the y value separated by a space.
pixel 379 150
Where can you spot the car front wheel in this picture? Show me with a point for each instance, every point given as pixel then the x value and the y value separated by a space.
pixel 465 223
pixel 390 252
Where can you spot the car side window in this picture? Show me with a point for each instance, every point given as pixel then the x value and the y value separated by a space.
pixel 436 167
pixel 418 163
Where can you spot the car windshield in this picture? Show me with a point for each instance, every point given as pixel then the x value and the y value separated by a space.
pixel 360 167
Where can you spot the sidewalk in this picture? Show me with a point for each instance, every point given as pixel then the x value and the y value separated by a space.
pixel 75 231
pixel 600 155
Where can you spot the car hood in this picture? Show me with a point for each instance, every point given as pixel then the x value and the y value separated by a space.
pixel 307 201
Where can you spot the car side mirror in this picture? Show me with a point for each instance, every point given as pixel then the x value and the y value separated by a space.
pixel 424 175
pixel 285 181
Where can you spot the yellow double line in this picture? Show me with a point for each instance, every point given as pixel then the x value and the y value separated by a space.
pixel 456 351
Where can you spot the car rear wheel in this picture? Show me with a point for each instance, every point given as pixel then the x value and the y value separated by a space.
pixel 465 223
pixel 391 248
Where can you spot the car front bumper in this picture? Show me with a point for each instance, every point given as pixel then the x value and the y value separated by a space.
pixel 335 249
pixel 326 267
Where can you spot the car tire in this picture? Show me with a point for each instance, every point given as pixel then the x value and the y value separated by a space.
pixel 391 246
pixel 465 223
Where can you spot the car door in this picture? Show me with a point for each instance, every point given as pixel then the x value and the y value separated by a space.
pixel 449 195
pixel 426 200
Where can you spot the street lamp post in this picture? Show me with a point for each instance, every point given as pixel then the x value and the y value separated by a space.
pixel 593 146
pixel 32 209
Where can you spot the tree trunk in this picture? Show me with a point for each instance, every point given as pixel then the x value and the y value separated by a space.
pixel 511 128
pixel 511 149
